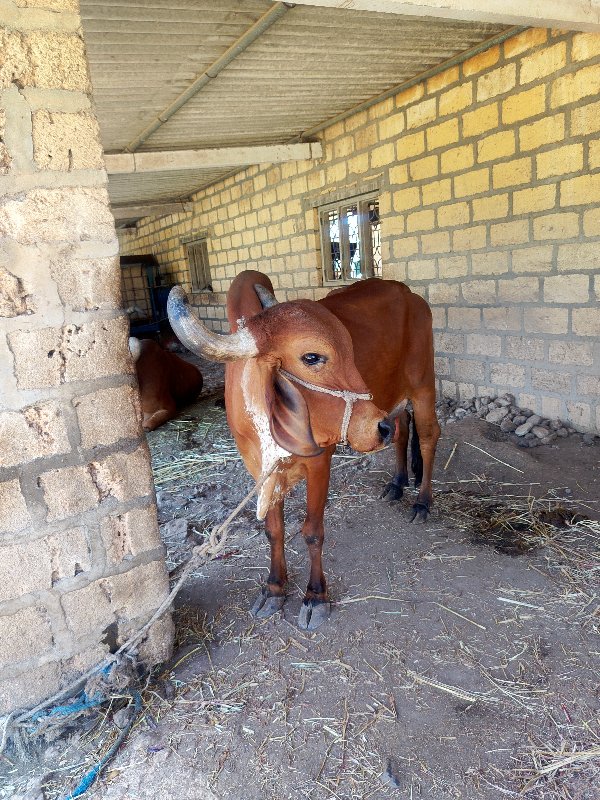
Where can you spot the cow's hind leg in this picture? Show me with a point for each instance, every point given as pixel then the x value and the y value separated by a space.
pixel 428 432
pixel 272 595
pixel 315 608
pixel 395 488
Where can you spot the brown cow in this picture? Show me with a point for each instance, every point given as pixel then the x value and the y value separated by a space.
pixel 166 382
pixel 298 381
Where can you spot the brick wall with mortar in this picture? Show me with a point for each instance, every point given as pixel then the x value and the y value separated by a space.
pixel 489 185
pixel 79 543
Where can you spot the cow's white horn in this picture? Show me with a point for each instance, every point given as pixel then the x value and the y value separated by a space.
pixel 134 348
pixel 194 334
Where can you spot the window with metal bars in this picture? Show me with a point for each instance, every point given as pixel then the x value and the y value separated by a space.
pixel 197 255
pixel 351 239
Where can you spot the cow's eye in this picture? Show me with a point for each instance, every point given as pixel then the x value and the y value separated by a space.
pixel 310 359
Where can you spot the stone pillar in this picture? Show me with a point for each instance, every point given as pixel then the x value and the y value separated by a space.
pixel 81 563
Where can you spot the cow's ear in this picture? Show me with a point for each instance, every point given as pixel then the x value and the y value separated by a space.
pixel 289 419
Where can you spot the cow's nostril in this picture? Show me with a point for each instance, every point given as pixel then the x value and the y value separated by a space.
pixel 385 431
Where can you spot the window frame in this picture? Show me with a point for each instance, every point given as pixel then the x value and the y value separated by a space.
pixel 361 201
pixel 192 246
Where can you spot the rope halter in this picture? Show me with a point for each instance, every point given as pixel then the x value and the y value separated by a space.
pixel 347 396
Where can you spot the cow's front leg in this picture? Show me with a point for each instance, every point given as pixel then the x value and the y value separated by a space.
pixel 315 607
pixel 429 432
pixel 272 595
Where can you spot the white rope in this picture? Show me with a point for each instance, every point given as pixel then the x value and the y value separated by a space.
pixel 349 398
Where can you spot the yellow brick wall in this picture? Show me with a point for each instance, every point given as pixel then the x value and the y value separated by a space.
pixel 489 185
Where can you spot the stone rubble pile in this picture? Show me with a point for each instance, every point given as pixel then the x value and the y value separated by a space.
pixel 527 428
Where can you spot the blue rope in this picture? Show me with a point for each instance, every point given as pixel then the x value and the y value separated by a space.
pixel 87 780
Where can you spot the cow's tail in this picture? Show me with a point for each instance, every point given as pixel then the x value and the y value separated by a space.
pixel 416 458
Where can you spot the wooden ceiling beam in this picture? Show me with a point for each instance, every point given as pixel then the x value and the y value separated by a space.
pixel 578 15
pixel 138 210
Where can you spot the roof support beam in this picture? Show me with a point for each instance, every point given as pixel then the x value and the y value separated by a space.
pixel 578 15
pixel 169 160
pixel 148 210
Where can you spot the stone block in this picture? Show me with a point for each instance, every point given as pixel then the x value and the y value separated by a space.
pixel 87 284
pixel 532 259
pixel 383 156
pixel 578 256
pixel 70 214
pixel 469 370
pixel 68 553
pixel 128 534
pixel 449 343
pixel 563 225
pixel 392 126
pixel 497 82
pixel 464 319
pixel 544 62
pixel 435 242
pixel 519 290
pixel 546 320
pixel 66 141
pixel 421 113
pixel 522 105
pixel 585 46
pixel 496 146
pixel 570 288
pixel 532 37
pixel 423 168
pixel 456 99
pixel 481 120
pixel 568 352
pixel 14 297
pixel 422 269
pixel 76 352
pixel 139 592
pixel 5 156
pixel 453 214
pixel 108 415
pixel 436 192
pixel 443 293
pixel 545 131
pixel 513 173
pixel 443 134
pixel 13 509
pixel 58 61
pixel 24 568
pixel 410 95
pixel 588 384
pixel 502 319
pixel 559 161
pixel 40 682
pixel 478 344
pixel 88 610
pixel 35 432
pixel 579 414
pixel 524 348
pixel 457 159
pixel 405 199
pixel 454 267
pixel 586 322
pixel 481 61
pixel 574 86
pixel 507 233
pixel 24 635
pixel 442 80
pixel 538 198
pixel 585 119
pixel 550 381
pixel 473 182
pixel 420 220
pixel 157 646
pixel 124 476
pixel 68 491
pixel 507 375
pixel 492 262
pixel 584 190
pixel 410 145
pixel 493 207
pixel 473 238
pixel 479 292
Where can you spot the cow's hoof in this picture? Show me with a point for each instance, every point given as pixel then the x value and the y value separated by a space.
pixel 419 512
pixel 313 613
pixel 267 604
pixel 392 492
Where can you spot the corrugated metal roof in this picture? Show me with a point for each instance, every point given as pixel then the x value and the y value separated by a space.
pixel 312 64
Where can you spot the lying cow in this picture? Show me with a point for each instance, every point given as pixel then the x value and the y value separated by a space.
pixel 303 376
pixel 166 382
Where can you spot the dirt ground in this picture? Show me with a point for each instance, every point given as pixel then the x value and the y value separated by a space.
pixel 461 656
